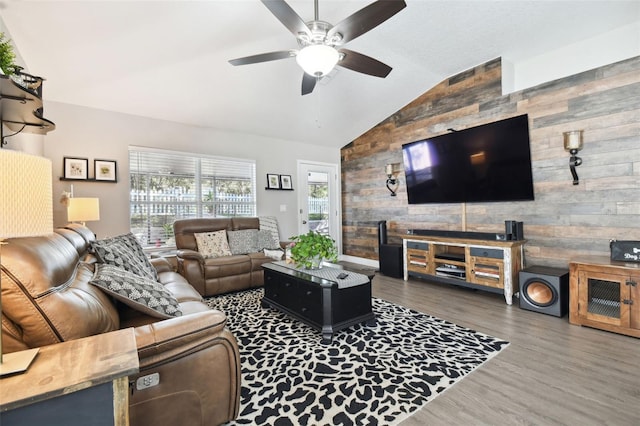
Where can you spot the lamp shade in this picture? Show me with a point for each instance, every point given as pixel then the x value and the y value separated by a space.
pixel 573 140
pixel 83 209
pixel 26 206
pixel 317 59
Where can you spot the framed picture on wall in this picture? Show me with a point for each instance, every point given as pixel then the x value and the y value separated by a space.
pixel 285 182
pixel 105 170
pixel 273 181
pixel 75 168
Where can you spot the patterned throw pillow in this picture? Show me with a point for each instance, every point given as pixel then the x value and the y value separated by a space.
pixel 270 224
pixel 243 241
pixel 138 292
pixel 265 240
pixel 213 244
pixel 124 251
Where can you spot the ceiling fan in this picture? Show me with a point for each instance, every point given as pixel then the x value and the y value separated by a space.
pixel 321 43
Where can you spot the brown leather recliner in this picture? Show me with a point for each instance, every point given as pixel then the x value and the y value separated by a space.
pixel 47 299
pixel 218 275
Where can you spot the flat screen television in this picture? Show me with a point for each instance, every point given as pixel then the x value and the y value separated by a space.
pixel 487 163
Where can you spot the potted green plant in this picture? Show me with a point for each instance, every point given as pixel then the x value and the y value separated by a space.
pixel 7 56
pixel 311 249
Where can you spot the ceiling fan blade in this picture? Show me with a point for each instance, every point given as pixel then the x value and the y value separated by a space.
pixel 366 19
pixel 264 57
pixel 287 16
pixel 362 63
pixel 308 83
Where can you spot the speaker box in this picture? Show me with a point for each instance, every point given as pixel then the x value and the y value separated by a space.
pixel 391 260
pixel 514 230
pixel 545 289
pixel 389 255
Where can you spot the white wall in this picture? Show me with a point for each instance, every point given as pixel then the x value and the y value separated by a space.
pixel 610 47
pixel 96 134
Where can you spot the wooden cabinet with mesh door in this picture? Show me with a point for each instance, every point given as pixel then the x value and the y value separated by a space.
pixel 605 294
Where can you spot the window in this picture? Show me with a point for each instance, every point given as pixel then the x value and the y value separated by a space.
pixel 169 185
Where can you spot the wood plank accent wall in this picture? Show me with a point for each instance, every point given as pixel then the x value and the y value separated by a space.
pixel 564 221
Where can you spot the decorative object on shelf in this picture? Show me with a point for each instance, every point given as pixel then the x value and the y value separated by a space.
pixel 83 210
pixel 573 144
pixel 273 181
pixel 26 210
pixel 309 250
pixel 391 170
pixel 105 170
pixel 7 55
pixel 29 82
pixel 22 109
pixel 285 182
pixel 76 168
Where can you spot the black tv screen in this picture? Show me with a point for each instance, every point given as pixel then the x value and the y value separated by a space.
pixel 488 163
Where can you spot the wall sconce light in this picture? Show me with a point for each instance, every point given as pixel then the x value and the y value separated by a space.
pixel 391 170
pixel 573 144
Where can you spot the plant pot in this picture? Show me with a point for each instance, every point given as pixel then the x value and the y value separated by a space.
pixel 316 262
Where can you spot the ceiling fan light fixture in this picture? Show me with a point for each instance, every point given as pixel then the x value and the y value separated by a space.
pixel 317 59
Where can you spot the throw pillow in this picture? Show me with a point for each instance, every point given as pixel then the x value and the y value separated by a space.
pixel 274 254
pixel 265 240
pixel 270 223
pixel 213 244
pixel 140 293
pixel 124 251
pixel 243 241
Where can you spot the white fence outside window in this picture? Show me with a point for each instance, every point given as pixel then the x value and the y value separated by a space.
pixel 158 210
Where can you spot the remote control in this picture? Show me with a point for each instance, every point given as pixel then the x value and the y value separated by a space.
pixel 342 276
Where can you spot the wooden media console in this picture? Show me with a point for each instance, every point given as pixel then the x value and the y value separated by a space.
pixel 465 259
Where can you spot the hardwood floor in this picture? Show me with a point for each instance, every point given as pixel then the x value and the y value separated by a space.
pixel 552 373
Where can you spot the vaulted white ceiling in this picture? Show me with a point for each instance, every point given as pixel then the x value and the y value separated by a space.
pixel 169 59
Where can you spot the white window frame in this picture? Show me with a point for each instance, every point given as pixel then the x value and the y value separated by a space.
pixel 190 203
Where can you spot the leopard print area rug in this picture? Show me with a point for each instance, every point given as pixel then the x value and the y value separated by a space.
pixel 376 375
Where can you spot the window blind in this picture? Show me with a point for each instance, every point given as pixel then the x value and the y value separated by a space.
pixel 170 185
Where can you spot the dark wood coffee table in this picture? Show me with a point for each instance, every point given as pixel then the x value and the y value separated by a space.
pixel 321 303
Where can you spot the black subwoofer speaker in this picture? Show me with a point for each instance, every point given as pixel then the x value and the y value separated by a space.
pixel 545 289
pixel 389 255
pixel 391 260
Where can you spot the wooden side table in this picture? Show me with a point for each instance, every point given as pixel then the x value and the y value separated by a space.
pixel 605 294
pixel 79 382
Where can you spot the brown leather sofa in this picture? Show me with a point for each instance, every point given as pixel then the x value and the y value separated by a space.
pixel 47 299
pixel 218 275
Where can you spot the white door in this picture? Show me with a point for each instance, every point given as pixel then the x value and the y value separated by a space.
pixel 318 199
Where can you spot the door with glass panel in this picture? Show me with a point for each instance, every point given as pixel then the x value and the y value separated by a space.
pixel 318 207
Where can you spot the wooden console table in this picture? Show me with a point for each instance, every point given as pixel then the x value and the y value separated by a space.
pixel 490 265
pixel 79 382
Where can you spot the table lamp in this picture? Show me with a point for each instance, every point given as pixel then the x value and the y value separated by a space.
pixel 26 210
pixel 83 210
